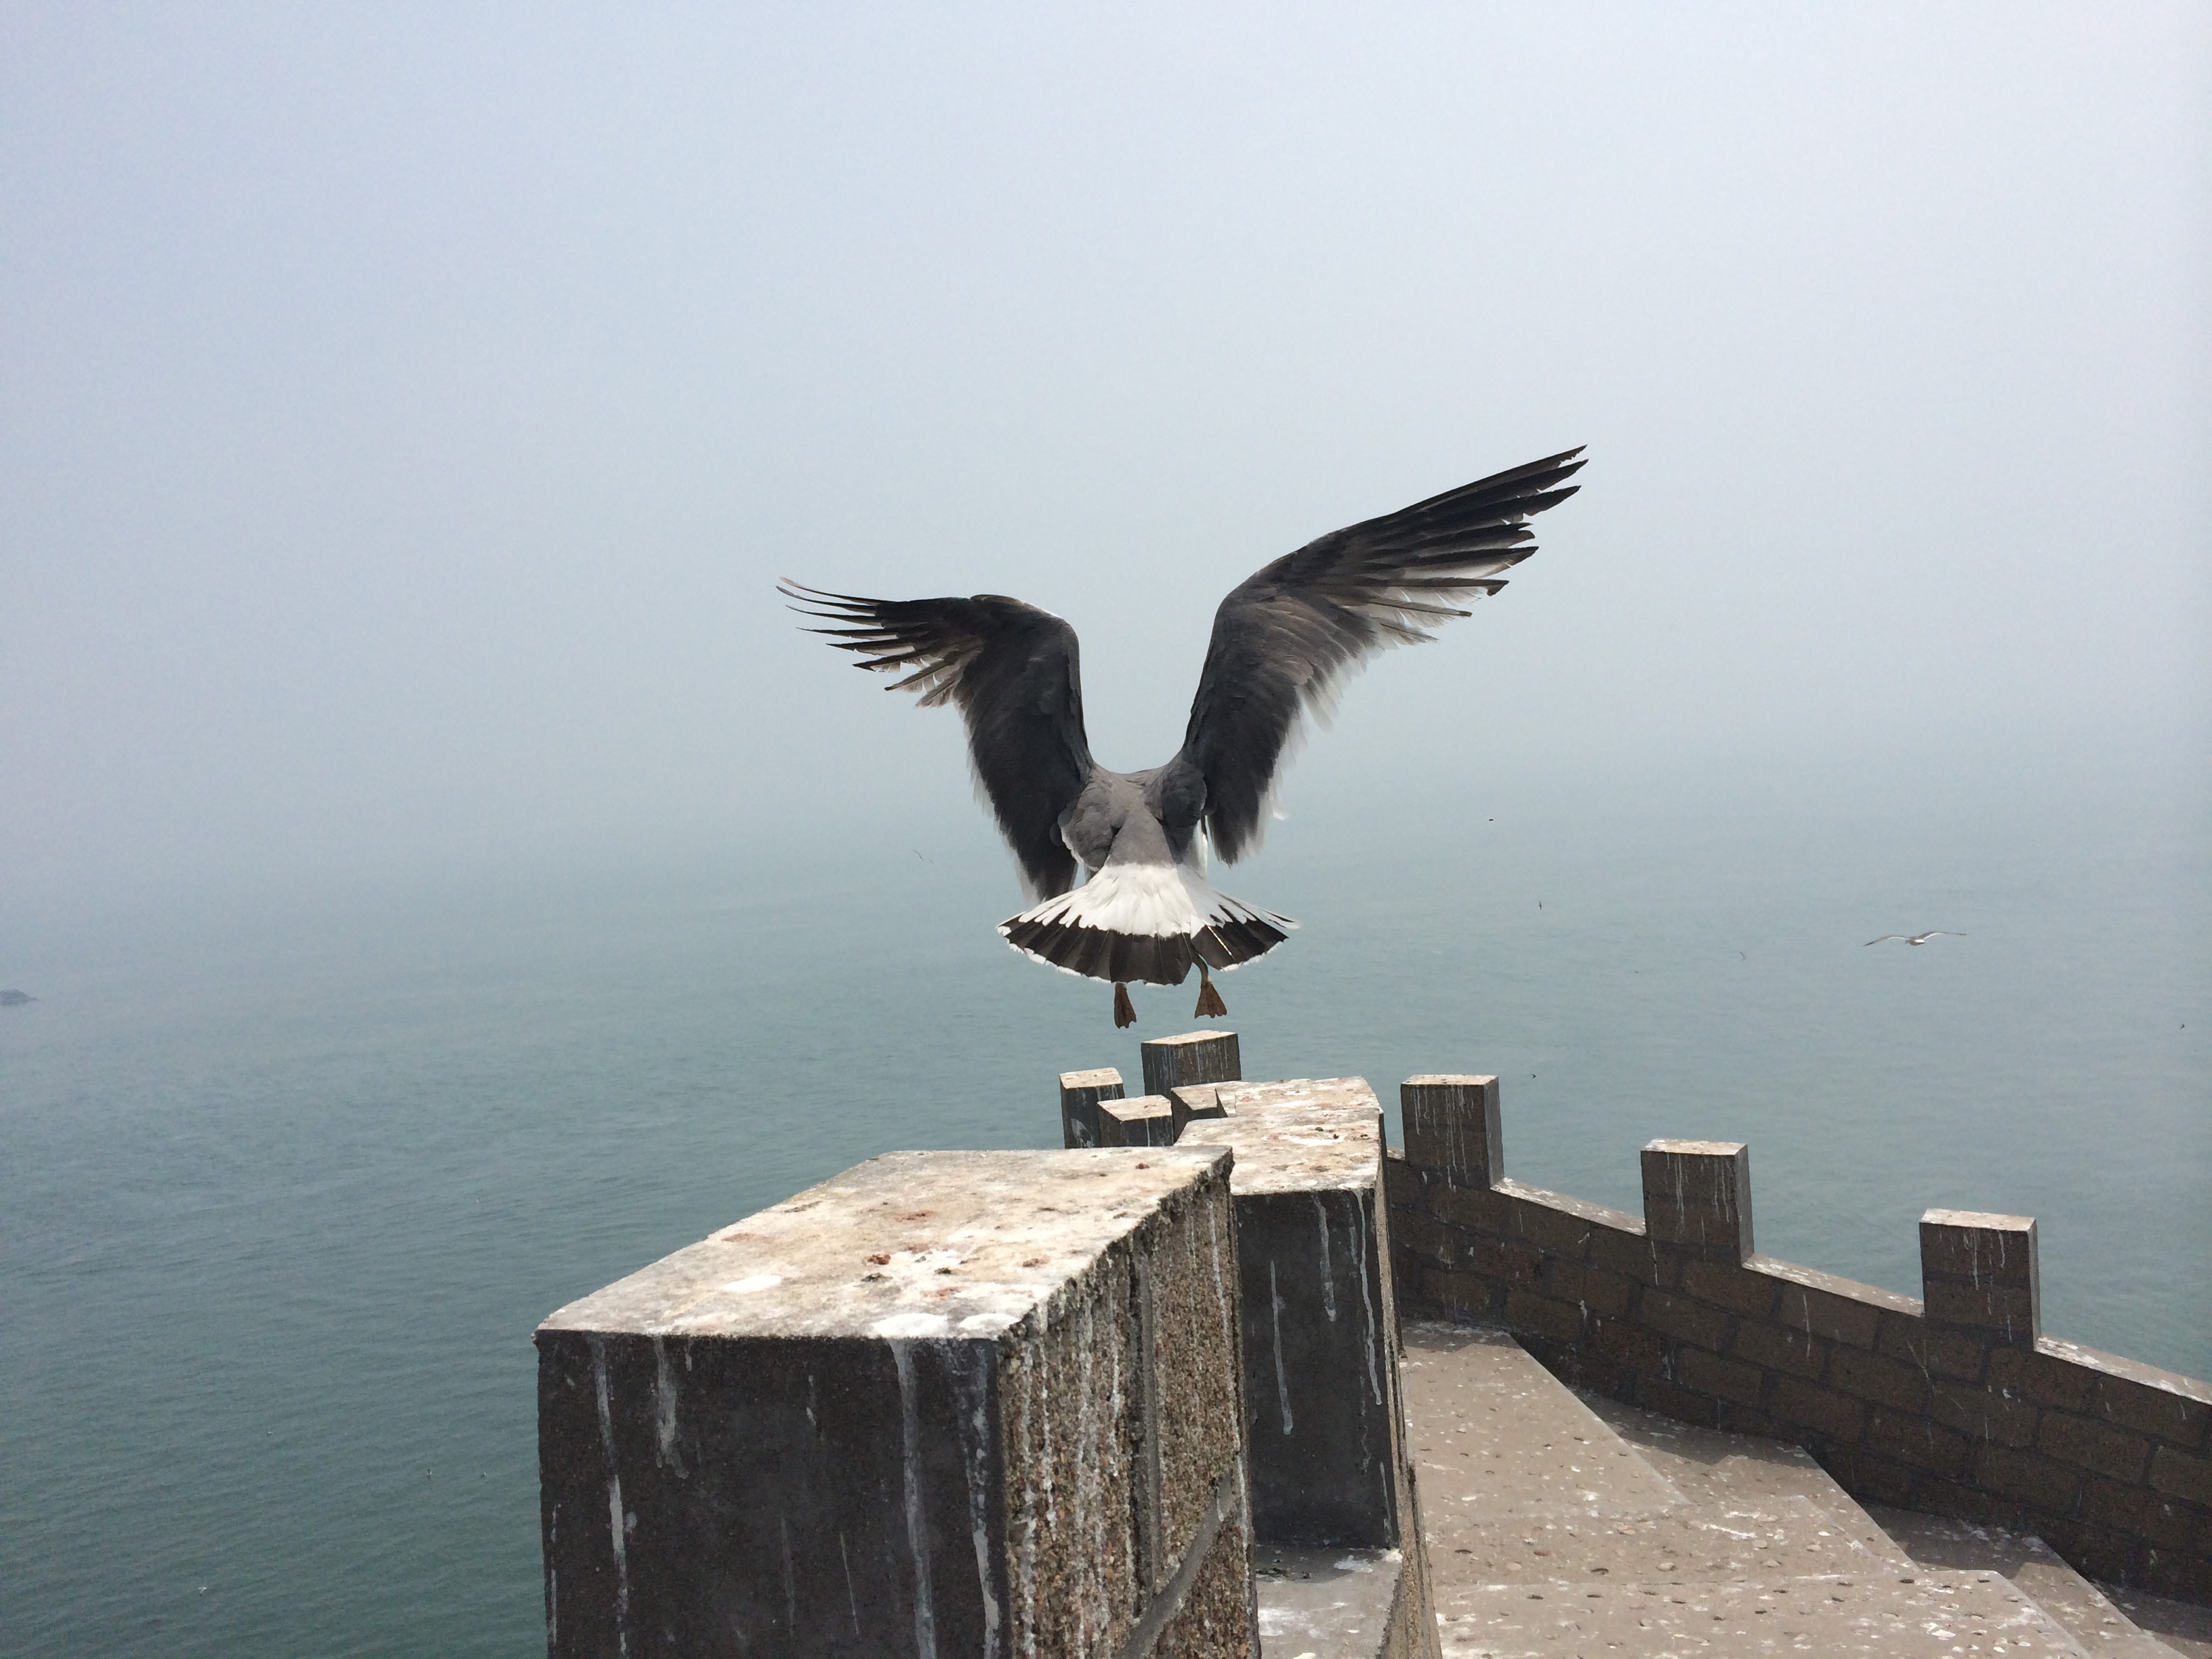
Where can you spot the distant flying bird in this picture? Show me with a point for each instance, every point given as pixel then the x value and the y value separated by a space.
pixel 1283 642
pixel 1920 938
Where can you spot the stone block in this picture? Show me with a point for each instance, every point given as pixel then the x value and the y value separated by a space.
pixel 1825 1305
pixel 1320 1325
pixel 2089 1445
pixel 1427 1237
pixel 1723 1282
pixel 1871 1377
pixel 1596 1290
pixel 2163 1404
pixel 1628 1344
pixel 1985 1414
pixel 1682 1316
pixel 1080 1094
pixel 1451 1125
pixel 1780 1347
pixel 1978 1273
pixel 2178 1474
pixel 1627 1250
pixel 1941 1355
pixel 1185 1061
pixel 1565 1227
pixel 959 1402
pixel 1730 1379
pixel 2132 1509
pixel 1505 1260
pixel 1865 1473
pixel 1810 1407
pixel 1531 1310
pixel 2000 1313
pixel 1147 1120
pixel 1912 1439
pixel 2040 1482
pixel 1657 1394
pixel 1479 1209
pixel 1462 1294
pixel 1697 1196
pixel 2038 1378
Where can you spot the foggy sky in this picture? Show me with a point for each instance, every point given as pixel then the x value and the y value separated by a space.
pixel 405 411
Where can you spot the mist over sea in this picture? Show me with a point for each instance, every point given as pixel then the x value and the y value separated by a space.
pixel 290 1176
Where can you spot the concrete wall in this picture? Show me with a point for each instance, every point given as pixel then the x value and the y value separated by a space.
pixel 1954 1403
pixel 982 1403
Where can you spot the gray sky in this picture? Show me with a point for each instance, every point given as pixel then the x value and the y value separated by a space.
pixel 403 411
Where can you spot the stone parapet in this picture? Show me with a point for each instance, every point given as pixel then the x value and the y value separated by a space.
pixel 1320 1333
pixel 1953 1404
pixel 945 1402
pixel 1324 1412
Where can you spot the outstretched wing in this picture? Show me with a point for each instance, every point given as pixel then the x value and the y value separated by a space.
pixel 1013 672
pixel 1285 640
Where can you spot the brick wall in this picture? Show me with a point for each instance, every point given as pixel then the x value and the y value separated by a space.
pixel 1953 1404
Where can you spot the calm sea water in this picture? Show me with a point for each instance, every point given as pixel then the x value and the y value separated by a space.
pixel 287 1184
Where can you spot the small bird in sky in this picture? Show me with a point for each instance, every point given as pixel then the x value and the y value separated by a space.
pixel 1919 939
pixel 1284 642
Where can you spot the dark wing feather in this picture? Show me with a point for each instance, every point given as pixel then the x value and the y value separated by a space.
pixel 1013 672
pixel 1286 639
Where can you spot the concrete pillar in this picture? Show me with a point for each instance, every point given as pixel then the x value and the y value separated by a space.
pixel 1195 1057
pixel 1147 1120
pixel 1978 1273
pixel 1319 1327
pixel 1697 1196
pixel 946 1403
pixel 1451 1126
pixel 1080 1094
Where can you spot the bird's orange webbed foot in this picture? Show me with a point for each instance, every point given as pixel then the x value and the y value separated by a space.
pixel 1210 1004
pixel 1125 1011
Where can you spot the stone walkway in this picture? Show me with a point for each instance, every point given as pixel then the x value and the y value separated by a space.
pixel 1557 1525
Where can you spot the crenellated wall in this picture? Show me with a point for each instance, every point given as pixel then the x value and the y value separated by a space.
pixel 1953 1404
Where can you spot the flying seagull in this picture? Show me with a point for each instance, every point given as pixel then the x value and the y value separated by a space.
pixel 1920 938
pixel 1284 642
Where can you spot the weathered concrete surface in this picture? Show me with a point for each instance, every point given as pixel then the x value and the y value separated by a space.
pixel 1497 1435
pixel 1712 1466
pixel 1952 1403
pixel 2031 1566
pixel 1708 1465
pixel 944 1403
pixel 1080 1093
pixel 1333 1603
pixel 2184 1626
pixel 1549 1534
pixel 1938 1617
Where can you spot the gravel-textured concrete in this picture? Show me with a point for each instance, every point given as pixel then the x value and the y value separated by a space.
pixel 946 1402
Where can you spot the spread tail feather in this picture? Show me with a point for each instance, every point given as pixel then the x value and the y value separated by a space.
pixel 1144 923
